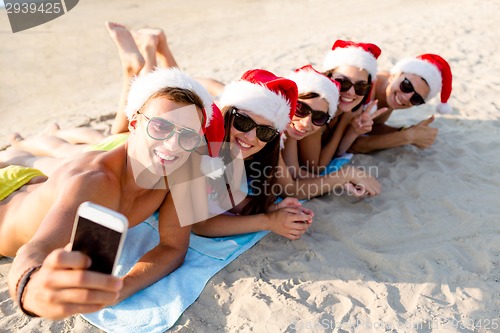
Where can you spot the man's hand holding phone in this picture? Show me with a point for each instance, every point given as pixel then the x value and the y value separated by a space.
pixel 64 286
pixel 78 279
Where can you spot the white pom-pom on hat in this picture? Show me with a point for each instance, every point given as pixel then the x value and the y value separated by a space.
pixel 444 108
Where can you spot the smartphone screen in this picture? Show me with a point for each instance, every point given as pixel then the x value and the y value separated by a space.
pixel 98 242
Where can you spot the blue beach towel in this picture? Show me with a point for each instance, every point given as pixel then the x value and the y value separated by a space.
pixel 336 164
pixel 333 166
pixel 157 307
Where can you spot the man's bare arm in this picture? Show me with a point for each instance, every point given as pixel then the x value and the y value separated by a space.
pixel 62 286
pixel 167 256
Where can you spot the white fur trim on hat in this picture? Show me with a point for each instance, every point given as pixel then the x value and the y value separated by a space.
pixel 351 56
pixel 309 81
pixel 259 100
pixel 426 70
pixel 145 86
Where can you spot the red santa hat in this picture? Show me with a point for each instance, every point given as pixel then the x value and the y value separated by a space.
pixel 435 71
pixel 145 86
pixel 213 166
pixel 265 94
pixel 361 55
pixel 310 80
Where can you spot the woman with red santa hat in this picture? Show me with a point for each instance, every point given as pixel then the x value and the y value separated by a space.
pixel 410 82
pixel 354 66
pixel 257 111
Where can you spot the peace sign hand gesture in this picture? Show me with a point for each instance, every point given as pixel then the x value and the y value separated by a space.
pixel 363 122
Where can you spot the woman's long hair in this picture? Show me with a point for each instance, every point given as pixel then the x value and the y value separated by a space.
pixel 261 169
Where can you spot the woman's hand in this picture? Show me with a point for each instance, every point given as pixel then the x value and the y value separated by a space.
pixel 359 183
pixel 363 122
pixel 291 221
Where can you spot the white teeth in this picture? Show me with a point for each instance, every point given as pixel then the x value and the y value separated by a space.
pixel 243 144
pixel 347 100
pixel 398 100
pixel 298 130
pixel 164 157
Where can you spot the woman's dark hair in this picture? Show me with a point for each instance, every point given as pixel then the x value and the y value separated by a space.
pixel 329 73
pixel 366 97
pixel 260 168
pixel 308 95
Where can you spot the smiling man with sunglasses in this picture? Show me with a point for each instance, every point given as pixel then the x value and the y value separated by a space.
pixel 411 82
pixel 168 115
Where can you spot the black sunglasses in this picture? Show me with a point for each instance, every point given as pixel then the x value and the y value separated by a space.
pixel 406 87
pixel 162 129
pixel 361 88
pixel 244 123
pixel 318 118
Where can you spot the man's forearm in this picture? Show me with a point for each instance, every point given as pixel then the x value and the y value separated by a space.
pixel 26 257
pixel 153 266
pixel 379 129
pixel 366 144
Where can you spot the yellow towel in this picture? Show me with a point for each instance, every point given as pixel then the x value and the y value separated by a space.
pixel 14 177
pixel 110 142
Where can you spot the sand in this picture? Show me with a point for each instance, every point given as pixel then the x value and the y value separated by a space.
pixel 423 256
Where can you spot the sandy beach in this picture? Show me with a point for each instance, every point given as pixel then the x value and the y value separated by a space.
pixel 423 256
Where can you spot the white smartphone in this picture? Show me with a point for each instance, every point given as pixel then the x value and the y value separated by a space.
pixel 99 232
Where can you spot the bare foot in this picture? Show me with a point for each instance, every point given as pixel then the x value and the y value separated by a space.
pixel 51 129
pixel 164 56
pixel 130 56
pixel 21 158
pixel 147 42
pixel 13 157
pixel 16 140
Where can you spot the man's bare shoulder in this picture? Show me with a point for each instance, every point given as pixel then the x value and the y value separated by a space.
pixel 96 167
pixel 383 76
pixel 87 161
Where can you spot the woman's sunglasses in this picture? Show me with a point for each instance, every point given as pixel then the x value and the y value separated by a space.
pixel 361 88
pixel 318 118
pixel 406 87
pixel 244 123
pixel 162 129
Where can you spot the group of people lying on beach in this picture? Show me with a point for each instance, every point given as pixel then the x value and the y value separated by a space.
pixel 288 132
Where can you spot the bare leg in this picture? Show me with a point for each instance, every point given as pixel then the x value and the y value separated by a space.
pixel 45 145
pixel 147 44
pixel 214 87
pixel 76 135
pixel 131 59
pixel 132 63
pixel 47 165
pixel 164 56
pixel 14 157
